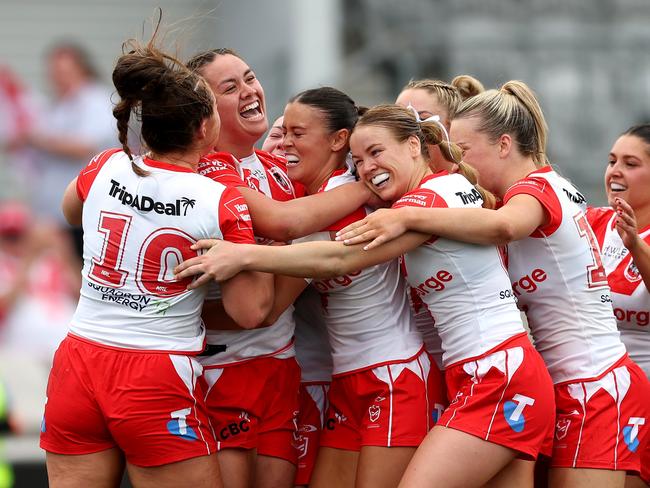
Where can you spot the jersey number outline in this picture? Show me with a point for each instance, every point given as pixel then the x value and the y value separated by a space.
pixel 106 270
pixel 160 252
pixel 596 276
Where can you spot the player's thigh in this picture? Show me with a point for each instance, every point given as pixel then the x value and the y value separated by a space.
pixel 273 472
pixel 451 450
pixel 635 482
pixel 519 473
pixel 102 469
pixel 586 478
pixel 382 467
pixel 237 467
pixel 197 472
pixel 334 467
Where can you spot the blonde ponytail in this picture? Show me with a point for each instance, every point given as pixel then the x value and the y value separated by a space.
pixel 527 98
pixel 514 110
pixel 467 86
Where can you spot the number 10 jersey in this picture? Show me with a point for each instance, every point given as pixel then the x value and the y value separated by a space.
pixel 136 230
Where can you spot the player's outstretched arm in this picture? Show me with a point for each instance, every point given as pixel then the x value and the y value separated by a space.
pixel 324 259
pixel 515 220
pixel 285 221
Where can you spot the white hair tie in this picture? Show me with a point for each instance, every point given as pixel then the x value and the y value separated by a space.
pixel 433 118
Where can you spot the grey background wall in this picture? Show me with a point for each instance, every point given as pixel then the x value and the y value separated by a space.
pixel 589 60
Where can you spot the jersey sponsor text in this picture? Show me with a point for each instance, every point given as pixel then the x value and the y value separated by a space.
pixel 529 282
pixel 641 318
pixel 147 204
pixel 434 283
pixel 333 283
pixel 470 197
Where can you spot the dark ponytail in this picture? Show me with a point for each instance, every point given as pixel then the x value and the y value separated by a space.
pixel 170 100
pixel 339 110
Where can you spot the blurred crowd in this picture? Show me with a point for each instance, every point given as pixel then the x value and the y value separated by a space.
pixel 45 139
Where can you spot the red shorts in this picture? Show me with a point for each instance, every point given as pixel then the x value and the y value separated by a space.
pixel 253 405
pixel 504 397
pixel 311 414
pixel 602 423
pixel 144 403
pixel 389 405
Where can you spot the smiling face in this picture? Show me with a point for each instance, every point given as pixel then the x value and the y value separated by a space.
pixel 479 152
pixel 275 138
pixel 388 167
pixel 628 172
pixel 240 101
pixel 308 146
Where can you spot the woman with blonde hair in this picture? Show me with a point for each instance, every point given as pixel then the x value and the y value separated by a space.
pixel 557 275
pixel 623 233
pixel 437 101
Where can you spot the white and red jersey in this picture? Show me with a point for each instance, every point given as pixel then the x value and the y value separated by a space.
pixel 464 286
pixel 367 313
pixel 425 323
pixel 312 344
pixel 265 173
pixel 136 230
pixel 630 297
pixel 560 283
pixel 261 171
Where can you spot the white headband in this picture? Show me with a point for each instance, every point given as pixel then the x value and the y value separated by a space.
pixel 433 118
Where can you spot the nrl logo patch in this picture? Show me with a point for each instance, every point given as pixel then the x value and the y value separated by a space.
pixel 281 179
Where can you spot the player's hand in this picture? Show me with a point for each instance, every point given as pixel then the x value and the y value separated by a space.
pixel 377 228
pixel 221 262
pixel 626 224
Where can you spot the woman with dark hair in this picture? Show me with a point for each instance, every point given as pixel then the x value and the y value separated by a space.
pixel 364 442
pixel 265 450
pixel 623 233
pixel 123 387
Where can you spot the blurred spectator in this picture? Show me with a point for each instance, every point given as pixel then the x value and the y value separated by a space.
pixel 77 125
pixel 39 283
pixel 17 110
pixel 39 287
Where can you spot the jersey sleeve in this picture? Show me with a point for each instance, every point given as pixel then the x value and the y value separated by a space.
pixel 599 216
pixel 358 214
pixel 219 170
pixel 89 173
pixel 542 191
pixel 423 198
pixel 234 219
pixel 299 189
